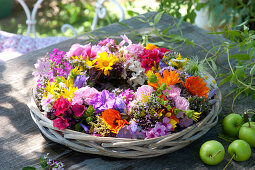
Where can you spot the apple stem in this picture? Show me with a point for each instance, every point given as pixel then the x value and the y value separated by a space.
pixel 215 154
pixel 229 161
pixel 247 118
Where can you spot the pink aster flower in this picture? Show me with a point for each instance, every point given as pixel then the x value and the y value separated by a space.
pixel 181 103
pixel 84 95
pixel 174 92
pixel 144 90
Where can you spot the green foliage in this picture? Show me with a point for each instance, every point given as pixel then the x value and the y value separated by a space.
pixel 54 14
pixel 241 65
pixel 231 12
pixel 174 7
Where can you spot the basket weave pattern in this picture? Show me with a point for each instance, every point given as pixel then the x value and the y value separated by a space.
pixel 123 147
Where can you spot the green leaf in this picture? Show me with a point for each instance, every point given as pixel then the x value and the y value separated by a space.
pixel 165 30
pixel 234 33
pixel 251 53
pixel 158 17
pixel 240 56
pixel 214 66
pixel 74 16
pixel 188 42
pixel 124 25
pixel 252 69
pixel 225 80
pixel 29 168
pixel 215 33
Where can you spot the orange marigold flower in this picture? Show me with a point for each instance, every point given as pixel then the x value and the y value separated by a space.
pixel 170 78
pixel 196 86
pixel 113 120
pixel 150 46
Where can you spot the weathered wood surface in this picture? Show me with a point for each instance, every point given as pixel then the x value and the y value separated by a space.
pixel 21 143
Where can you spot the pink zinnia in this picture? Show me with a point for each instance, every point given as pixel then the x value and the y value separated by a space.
pixel 135 49
pixel 181 103
pixel 174 92
pixel 84 95
pixel 144 90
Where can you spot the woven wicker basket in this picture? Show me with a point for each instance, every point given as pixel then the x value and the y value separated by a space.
pixel 122 147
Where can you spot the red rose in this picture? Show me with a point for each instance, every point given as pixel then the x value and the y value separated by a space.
pixel 78 110
pixel 60 123
pixel 61 105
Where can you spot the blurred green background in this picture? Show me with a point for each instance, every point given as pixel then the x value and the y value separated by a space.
pixel 52 14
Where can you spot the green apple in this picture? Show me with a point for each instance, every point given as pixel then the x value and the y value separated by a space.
pixel 212 152
pixel 231 124
pixel 240 150
pixel 247 133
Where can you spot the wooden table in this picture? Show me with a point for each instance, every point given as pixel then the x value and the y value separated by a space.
pixel 21 143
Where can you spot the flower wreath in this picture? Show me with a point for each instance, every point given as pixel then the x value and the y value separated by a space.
pixel 122 90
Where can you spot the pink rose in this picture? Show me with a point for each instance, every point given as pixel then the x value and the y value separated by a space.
pixel 60 123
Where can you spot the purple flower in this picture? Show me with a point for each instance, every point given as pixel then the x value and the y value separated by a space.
pixel 104 100
pixel 86 129
pixel 150 134
pixel 162 64
pixel 167 124
pixel 159 129
pixel 128 131
pixel 80 81
pixel 212 93
pixel 120 105
pixel 185 122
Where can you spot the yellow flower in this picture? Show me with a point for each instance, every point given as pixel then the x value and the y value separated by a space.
pixel 68 93
pixel 149 73
pixel 76 57
pixel 105 62
pixel 51 88
pixel 90 63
